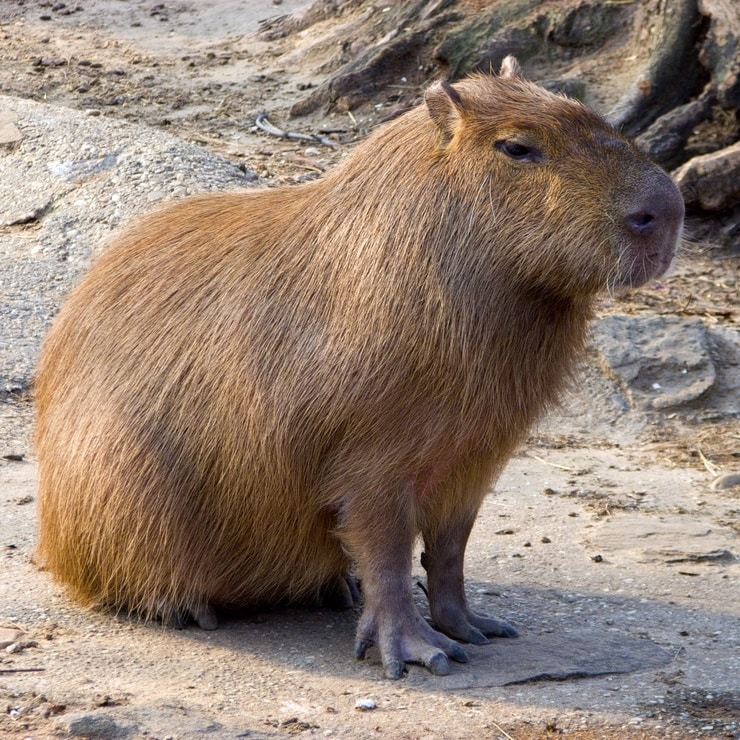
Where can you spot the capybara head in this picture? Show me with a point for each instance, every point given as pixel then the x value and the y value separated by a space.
pixel 542 172
pixel 254 398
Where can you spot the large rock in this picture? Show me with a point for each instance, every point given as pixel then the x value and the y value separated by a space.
pixel 93 726
pixel 571 654
pixel 660 361
pixel 66 183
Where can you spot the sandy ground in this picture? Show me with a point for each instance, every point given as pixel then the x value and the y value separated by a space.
pixel 605 544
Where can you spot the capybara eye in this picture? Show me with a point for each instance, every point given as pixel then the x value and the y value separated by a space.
pixel 517 150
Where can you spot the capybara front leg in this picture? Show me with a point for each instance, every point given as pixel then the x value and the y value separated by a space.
pixel 444 552
pixel 390 619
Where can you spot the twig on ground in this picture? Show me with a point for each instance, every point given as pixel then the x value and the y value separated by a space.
pixel 263 124
pixel 501 730
pixel 551 464
pixel 710 466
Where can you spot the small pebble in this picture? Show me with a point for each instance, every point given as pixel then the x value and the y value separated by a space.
pixel 9 636
pixel 726 481
pixel 19 647
pixel 365 705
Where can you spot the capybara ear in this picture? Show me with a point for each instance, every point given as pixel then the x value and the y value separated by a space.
pixel 510 68
pixel 445 107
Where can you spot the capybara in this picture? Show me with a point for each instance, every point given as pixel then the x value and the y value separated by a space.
pixel 253 396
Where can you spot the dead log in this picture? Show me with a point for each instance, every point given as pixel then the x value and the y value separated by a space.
pixel 484 38
pixel 719 52
pixel 529 29
pixel 665 139
pixel 396 55
pixel 671 74
pixel 365 77
pixel 279 27
pixel 711 182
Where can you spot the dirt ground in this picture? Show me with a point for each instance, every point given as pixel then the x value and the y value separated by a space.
pixel 611 552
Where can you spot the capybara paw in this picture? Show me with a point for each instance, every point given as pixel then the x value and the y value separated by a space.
pixel 492 627
pixel 435 656
pixel 205 617
pixel 394 663
pixel 177 618
pixel 472 627
pixel 411 643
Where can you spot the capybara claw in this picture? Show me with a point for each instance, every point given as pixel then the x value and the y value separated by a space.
pixel 395 669
pixel 458 654
pixel 476 637
pixel 438 664
pixel 507 630
pixel 491 627
pixel 361 647
pixel 461 623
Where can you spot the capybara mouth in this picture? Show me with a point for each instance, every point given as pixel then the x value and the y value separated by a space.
pixel 640 267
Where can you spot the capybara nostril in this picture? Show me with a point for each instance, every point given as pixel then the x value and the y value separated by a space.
pixel 640 223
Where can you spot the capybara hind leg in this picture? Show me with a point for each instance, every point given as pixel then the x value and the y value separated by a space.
pixel 443 561
pixel 390 620
pixel 340 593
pixel 205 617
pixel 177 618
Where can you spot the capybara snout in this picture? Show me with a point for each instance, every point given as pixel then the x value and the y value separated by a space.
pixel 252 397
pixel 653 224
pixel 539 168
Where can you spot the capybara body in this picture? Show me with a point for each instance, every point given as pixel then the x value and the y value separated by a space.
pixel 251 395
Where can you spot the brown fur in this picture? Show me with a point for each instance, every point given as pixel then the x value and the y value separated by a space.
pixel 250 392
